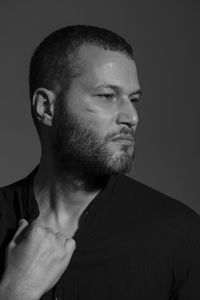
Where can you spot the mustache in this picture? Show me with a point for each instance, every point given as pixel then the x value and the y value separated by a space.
pixel 123 131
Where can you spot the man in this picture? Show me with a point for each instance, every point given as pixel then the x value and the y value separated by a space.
pixel 86 231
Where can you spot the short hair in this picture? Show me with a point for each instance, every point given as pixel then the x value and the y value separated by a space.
pixel 53 62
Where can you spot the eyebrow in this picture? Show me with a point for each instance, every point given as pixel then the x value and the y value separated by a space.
pixel 117 88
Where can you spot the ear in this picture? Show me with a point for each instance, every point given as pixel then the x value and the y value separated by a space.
pixel 43 105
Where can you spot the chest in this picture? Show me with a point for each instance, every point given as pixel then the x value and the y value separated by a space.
pixel 116 268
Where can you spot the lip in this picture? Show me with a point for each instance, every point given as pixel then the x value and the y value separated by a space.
pixel 126 138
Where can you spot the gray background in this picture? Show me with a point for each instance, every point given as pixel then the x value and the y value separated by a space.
pixel 165 38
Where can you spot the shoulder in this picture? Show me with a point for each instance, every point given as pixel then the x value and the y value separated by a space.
pixel 153 207
pixel 138 192
pixel 18 188
pixel 11 203
pixel 10 189
pixel 11 192
pixel 13 200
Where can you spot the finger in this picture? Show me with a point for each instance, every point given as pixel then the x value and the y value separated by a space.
pixel 70 246
pixel 22 225
pixel 61 238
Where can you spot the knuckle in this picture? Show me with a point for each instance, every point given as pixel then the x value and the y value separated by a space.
pixel 60 244
pixel 38 229
pixel 49 236
pixel 60 237
pixel 11 245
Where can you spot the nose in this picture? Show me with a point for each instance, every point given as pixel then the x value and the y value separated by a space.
pixel 127 114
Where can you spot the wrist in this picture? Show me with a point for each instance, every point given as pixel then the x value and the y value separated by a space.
pixel 9 291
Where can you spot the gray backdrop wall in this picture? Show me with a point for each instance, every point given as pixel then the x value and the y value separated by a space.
pixel 165 38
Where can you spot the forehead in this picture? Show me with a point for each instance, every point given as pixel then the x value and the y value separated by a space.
pixel 104 66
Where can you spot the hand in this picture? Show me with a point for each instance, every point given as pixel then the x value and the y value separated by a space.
pixel 36 259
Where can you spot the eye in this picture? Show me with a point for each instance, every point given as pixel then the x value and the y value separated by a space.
pixel 135 100
pixel 106 96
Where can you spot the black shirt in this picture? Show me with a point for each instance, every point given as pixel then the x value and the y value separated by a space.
pixel 133 243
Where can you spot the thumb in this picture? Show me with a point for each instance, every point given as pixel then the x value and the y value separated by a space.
pixel 70 246
pixel 22 225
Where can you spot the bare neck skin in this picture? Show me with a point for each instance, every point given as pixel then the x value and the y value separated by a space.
pixel 62 196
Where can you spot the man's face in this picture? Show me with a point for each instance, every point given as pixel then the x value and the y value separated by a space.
pixel 96 119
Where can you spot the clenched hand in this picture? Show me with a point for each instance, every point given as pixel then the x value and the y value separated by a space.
pixel 36 259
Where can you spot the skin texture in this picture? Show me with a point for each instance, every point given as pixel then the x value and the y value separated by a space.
pixel 78 155
pixel 99 106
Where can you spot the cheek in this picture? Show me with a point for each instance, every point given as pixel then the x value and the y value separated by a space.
pixel 100 121
pixel 100 112
pixel 92 114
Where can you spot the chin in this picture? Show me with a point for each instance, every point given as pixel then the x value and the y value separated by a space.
pixel 121 164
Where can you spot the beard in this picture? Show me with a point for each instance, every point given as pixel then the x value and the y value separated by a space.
pixel 79 150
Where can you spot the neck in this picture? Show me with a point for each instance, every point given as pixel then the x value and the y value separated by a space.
pixel 65 193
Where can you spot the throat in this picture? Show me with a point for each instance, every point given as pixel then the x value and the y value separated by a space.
pixel 63 199
pixel 62 211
